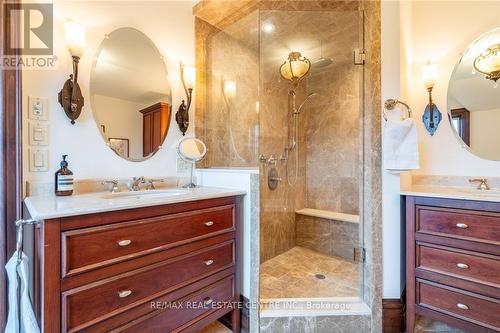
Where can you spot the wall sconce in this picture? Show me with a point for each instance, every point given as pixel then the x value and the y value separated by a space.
pixel 188 78
pixel 70 97
pixel 432 116
pixel 295 67
pixel 488 63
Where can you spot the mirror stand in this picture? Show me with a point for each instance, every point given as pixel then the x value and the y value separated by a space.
pixel 191 181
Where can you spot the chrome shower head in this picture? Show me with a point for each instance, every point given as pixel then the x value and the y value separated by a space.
pixel 322 62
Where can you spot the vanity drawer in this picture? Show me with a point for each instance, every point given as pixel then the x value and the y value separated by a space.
pixel 463 264
pixel 98 301
pixel 460 304
pixel 185 311
pixel 459 224
pixel 95 247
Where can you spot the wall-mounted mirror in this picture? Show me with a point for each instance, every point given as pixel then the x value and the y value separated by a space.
pixel 191 150
pixel 130 94
pixel 474 96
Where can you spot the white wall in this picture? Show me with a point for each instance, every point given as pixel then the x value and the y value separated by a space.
pixel 169 24
pixel 121 119
pixel 390 183
pixel 438 31
pixel 442 30
pixel 485 133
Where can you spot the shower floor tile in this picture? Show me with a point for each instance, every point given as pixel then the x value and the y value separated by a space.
pixel 293 275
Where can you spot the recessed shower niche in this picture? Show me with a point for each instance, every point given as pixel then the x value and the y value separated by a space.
pixel 305 136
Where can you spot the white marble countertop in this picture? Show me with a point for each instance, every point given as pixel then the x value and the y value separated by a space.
pixel 49 207
pixel 449 192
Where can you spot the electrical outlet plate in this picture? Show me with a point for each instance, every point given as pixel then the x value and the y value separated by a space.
pixel 38 108
pixel 39 160
pixel 38 134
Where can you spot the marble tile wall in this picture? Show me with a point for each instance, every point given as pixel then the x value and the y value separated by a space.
pixel 330 237
pixel 333 130
pixel 231 122
pixel 303 324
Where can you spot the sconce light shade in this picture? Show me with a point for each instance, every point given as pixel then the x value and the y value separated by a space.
pixel 75 38
pixel 230 89
pixel 295 67
pixel 488 62
pixel 429 75
pixel 189 76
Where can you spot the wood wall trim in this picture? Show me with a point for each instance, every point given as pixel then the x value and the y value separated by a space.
pixel 393 314
pixel 11 162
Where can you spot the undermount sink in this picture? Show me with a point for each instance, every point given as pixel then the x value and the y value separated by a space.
pixel 145 194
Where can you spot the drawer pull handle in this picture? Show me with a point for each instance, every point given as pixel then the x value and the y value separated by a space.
pixel 462 306
pixel 209 223
pixel 462 266
pixel 462 225
pixel 124 242
pixel 124 293
pixel 209 262
pixel 207 301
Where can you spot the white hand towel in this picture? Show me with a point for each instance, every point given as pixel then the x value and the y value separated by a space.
pixel 400 146
pixel 28 319
pixel 13 314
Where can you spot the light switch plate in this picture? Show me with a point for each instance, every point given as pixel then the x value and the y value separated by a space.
pixel 38 134
pixel 39 160
pixel 38 108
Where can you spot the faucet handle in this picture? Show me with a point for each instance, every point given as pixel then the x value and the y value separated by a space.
pixel 114 182
pixel 483 183
pixel 150 182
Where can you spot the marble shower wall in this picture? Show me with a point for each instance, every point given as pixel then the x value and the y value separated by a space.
pixel 231 128
pixel 334 129
pixel 330 237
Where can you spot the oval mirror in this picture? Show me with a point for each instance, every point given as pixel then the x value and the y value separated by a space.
pixel 191 150
pixel 130 94
pixel 474 96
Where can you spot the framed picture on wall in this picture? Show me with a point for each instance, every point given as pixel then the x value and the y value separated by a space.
pixel 120 146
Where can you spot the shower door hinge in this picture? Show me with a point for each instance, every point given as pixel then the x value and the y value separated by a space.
pixel 359 57
pixel 360 254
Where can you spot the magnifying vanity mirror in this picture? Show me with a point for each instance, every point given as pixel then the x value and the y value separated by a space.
pixel 191 150
pixel 130 94
pixel 474 96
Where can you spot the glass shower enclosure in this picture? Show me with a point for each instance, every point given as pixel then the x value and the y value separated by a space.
pixel 305 137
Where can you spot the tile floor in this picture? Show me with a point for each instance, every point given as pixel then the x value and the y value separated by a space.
pixel 293 275
pixel 425 325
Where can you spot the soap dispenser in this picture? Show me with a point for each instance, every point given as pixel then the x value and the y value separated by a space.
pixel 64 179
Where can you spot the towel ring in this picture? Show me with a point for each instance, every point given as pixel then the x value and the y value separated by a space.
pixel 390 104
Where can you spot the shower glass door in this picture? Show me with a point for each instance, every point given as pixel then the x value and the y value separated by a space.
pixel 310 225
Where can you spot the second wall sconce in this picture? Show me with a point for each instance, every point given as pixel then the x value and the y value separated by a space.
pixel 432 116
pixel 188 78
pixel 70 97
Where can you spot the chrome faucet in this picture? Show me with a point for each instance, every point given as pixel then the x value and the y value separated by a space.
pixel 134 184
pixel 115 187
pixel 483 183
pixel 150 183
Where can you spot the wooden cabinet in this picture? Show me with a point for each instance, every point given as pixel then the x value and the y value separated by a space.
pixel 453 262
pixel 167 268
pixel 155 123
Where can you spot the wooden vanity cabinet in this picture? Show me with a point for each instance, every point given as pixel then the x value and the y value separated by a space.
pixel 155 124
pixel 169 268
pixel 453 262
